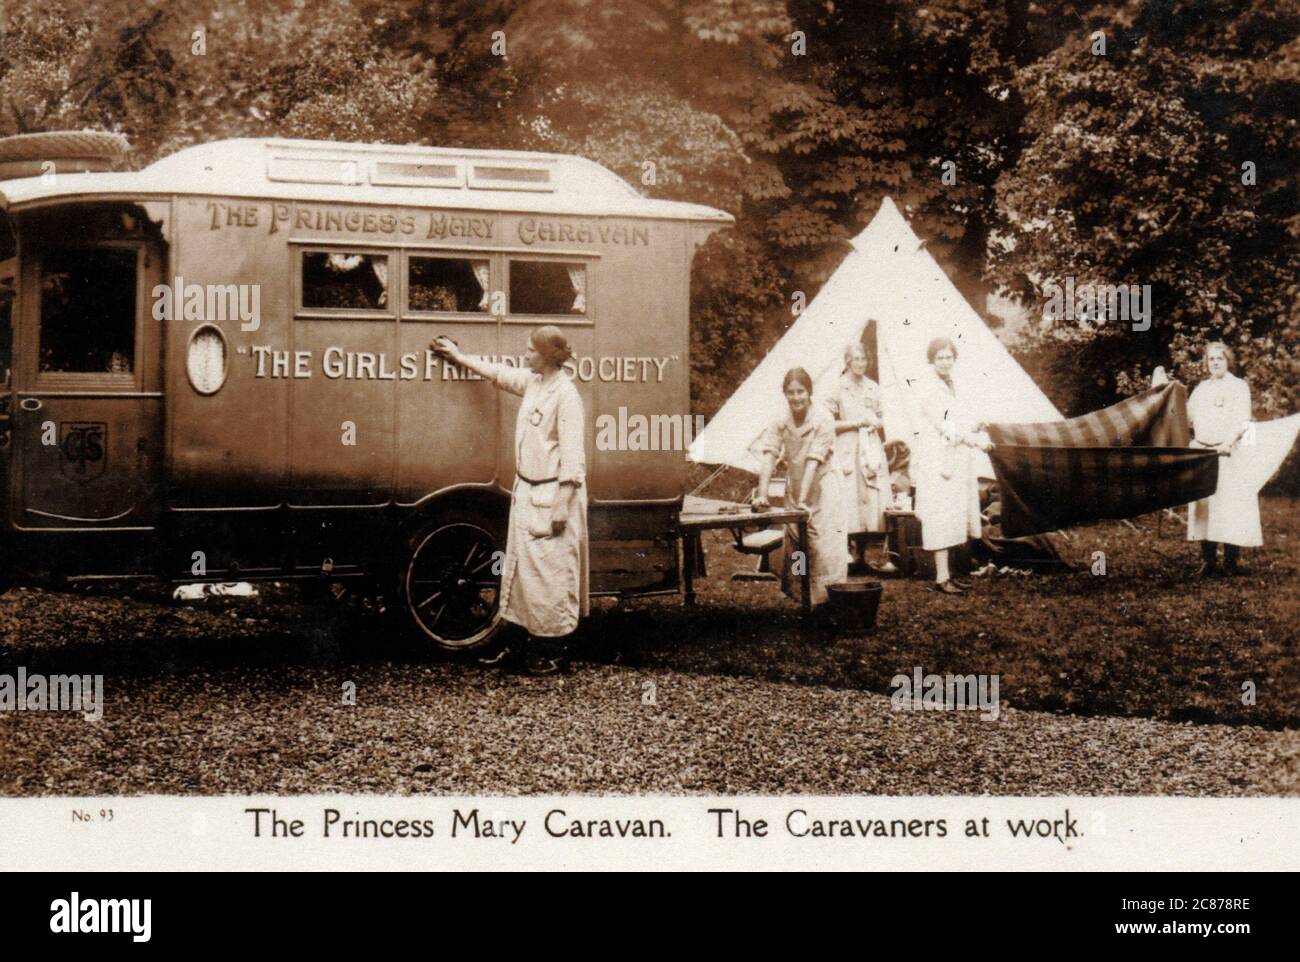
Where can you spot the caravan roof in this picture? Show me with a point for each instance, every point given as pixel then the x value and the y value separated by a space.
pixel 318 170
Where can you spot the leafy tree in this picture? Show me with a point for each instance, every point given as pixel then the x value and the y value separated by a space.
pixel 797 116
pixel 173 74
pixel 1132 173
pixel 63 68
pixel 654 90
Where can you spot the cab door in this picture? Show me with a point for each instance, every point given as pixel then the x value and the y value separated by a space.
pixel 88 406
pixel 8 290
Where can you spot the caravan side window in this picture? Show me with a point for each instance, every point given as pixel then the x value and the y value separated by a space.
pixel 344 280
pixel 548 287
pixel 448 284
pixel 88 311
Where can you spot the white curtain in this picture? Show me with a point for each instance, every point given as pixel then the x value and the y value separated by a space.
pixel 481 275
pixel 344 263
pixel 578 278
pixel 380 265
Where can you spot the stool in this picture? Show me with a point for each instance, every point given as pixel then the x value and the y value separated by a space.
pixel 761 543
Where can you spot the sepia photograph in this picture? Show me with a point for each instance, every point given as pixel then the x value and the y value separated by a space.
pixel 549 421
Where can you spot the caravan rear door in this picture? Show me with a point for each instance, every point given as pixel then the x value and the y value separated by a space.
pixel 87 417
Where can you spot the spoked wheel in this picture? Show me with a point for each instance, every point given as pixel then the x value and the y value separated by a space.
pixel 453 585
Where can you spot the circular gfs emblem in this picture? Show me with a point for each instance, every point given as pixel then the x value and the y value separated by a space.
pixel 206 361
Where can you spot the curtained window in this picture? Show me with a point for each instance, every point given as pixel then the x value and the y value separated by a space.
pixel 548 287
pixel 449 284
pixel 344 280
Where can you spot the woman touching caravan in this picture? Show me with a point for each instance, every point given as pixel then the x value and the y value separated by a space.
pixel 544 579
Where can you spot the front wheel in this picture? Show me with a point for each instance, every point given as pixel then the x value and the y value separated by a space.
pixel 452 583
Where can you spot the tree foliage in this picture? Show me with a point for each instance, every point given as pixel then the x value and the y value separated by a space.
pixel 798 116
pixel 1131 172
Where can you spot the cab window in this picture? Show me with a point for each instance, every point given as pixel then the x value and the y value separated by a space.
pixel 8 281
pixel 88 311
pixel 548 287
pixel 6 326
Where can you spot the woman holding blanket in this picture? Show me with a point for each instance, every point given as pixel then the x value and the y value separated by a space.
pixel 805 439
pixel 545 574
pixel 1219 412
pixel 947 488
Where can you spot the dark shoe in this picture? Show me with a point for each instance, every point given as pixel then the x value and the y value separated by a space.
pixel 1235 571
pixel 945 588
pixel 1209 570
pixel 543 666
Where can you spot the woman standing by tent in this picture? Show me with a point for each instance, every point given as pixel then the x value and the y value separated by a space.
pixel 859 449
pixel 805 439
pixel 545 573
pixel 1219 411
pixel 947 488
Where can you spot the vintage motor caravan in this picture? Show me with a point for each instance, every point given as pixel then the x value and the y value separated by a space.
pixel 216 368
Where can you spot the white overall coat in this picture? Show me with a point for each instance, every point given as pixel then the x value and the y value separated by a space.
pixel 860 455
pixel 828 546
pixel 947 486
pixel 1219 409
pixel 544 581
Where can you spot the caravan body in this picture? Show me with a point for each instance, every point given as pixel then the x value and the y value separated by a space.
pixel 220 363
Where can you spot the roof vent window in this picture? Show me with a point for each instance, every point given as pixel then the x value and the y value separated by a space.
pixel 513 177
pixel 315 170
pixel 412 174
pixel 427 170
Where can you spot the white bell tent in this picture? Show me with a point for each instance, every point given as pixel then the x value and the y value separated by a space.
pixel 890 277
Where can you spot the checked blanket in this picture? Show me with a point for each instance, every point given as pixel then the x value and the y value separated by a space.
pixel 1119 462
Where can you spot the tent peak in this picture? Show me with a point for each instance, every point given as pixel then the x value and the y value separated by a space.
pixel 888 229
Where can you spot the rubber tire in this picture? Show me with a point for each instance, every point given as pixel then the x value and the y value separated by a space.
pixel 495 527
pixel 64 145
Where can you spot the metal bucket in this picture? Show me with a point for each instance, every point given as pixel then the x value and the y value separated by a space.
pixel 855 604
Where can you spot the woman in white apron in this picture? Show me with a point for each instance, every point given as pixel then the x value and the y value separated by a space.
pixel 947 487
pixel 1219 412
pixel 544 578
pixel 859 449
pixel 805 438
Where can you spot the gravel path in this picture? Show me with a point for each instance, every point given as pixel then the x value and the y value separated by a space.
pixel 449 729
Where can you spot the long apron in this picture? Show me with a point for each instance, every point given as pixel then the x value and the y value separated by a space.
pixel 545 578
pixel 827 552
pixel 1219 409
pixel 947 486
pixel 860 456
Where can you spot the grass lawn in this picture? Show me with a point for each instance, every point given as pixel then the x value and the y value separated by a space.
pixel 1149 638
